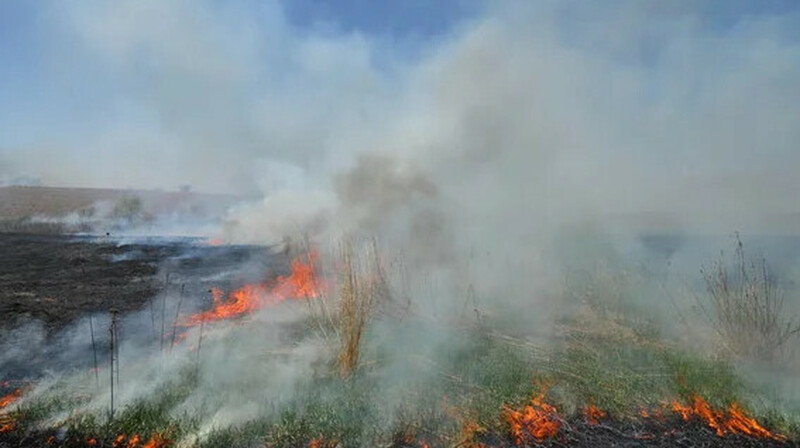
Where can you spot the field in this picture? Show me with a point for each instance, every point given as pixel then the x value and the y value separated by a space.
pixel 241 346
pixel 57 210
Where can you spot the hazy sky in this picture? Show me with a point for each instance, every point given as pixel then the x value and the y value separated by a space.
pixel 630 106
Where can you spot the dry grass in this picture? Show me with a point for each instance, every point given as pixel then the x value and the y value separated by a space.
pixel 341 319
pixel 747 308
pixel 362 284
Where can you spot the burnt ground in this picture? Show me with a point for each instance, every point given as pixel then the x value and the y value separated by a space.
pixel 51 284
pixel 576 432
pixel 56 279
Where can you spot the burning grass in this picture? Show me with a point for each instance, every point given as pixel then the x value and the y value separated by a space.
pixel 413 381
pixel 734 420
pixel 301 283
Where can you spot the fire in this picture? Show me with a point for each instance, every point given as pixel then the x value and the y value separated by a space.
pixel 301 283
pixel 215 241
pixel 594 414
pixel 734 421
pixel 538 420
pixel 469 432
pixel 321 443
pixel 157 441
pixel 10 398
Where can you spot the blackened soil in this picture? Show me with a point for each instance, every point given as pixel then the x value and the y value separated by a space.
pixel 58 278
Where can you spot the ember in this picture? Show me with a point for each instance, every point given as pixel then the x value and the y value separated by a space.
pixel 594 414
pixel 119 441
pixel 321 443
pixel 157 441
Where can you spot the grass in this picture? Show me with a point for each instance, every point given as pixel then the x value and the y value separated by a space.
pixel 472 386
pixel 387 383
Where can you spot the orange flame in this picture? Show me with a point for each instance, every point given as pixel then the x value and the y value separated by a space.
pixel 734 421
pixel 321 443
pixel 469 432
pixel 537 420
pixel 10 398
pixel 594 414
pixel 301 283
pixel 157 441
pixel 215 241
pixel 7 427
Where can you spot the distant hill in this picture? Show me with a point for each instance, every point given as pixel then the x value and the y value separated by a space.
pixel 23 207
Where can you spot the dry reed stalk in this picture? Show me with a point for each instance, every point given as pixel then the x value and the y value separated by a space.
pixel 112 330
pixel 319 311
pixel 164 311
pixel 360 288
pixel 199 347
pixel 94 352
pixel 747 310
pixel 177 315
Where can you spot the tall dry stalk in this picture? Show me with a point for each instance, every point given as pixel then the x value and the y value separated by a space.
pixel 362 285
pixel 114 357
pixel 177 316
pixel 94 352
pixel 747 308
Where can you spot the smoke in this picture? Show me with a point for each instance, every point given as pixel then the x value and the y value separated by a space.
pixel 520 116
pixel 533 136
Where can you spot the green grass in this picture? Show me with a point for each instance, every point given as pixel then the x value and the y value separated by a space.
pixel 423 380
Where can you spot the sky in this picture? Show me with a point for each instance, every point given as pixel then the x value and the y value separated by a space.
pixel 631 107
pixel 51 90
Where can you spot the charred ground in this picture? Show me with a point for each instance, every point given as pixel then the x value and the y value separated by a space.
pixel 58 278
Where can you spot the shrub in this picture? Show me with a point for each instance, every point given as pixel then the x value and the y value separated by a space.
pixel 746 307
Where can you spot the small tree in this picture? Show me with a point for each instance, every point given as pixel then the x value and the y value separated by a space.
pixel 128 209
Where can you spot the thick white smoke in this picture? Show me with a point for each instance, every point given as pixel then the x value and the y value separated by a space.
pixel 482 159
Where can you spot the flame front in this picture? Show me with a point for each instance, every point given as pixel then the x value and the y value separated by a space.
pixel 538 420
pixel 301 283
pixel 734 421
pixel 10 398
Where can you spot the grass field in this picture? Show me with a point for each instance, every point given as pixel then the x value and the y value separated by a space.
pixel 361 366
